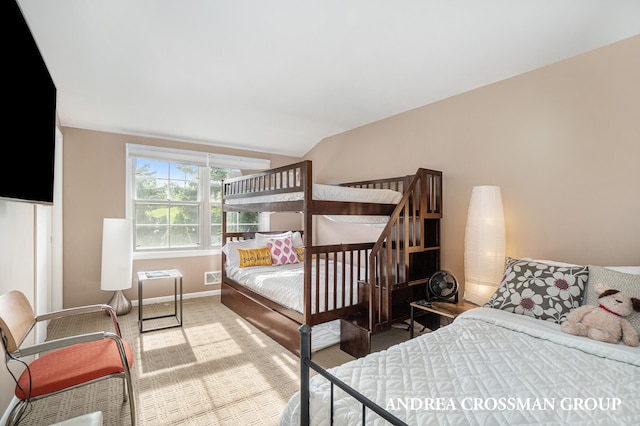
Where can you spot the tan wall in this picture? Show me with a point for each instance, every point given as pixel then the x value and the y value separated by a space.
pixel 94 188
pixel 562 142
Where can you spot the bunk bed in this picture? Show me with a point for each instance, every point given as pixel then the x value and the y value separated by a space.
pixel 364 286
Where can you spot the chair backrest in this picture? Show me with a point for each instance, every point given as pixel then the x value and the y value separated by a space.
pixel 16 318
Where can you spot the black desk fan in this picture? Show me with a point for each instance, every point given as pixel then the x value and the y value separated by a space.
pixel 442 287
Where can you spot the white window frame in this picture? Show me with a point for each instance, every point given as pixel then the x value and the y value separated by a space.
pixel 201 158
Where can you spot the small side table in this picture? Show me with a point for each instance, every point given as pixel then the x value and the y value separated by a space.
pixel 177 292
pixel 444 309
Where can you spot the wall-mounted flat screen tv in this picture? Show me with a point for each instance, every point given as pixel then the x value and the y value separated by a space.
pixel 28 146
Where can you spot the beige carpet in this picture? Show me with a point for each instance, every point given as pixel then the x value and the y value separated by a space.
pixel 215 370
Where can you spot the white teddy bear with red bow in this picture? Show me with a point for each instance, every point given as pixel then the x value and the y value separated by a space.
pixel 605 322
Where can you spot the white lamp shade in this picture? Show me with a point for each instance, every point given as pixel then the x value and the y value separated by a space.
pixel 484 244
pixel 117 250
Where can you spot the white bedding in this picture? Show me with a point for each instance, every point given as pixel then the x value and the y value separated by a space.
pixel 336 193
pixel 284 284
pixel 489 367
pixel 328 193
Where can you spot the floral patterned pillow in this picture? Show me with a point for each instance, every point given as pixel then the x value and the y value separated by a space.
pixel 539 290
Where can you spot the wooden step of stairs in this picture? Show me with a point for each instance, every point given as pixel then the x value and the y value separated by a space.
pixel 355 334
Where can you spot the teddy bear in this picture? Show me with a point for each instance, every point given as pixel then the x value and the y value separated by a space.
pixel 605 322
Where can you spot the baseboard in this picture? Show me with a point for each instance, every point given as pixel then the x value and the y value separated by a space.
pixel 164 299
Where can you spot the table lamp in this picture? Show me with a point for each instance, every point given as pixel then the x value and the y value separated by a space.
pixel 117 250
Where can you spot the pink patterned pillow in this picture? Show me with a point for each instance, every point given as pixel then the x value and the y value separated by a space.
pixel 282 251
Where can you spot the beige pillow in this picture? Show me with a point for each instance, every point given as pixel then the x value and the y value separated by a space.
pixel 628 284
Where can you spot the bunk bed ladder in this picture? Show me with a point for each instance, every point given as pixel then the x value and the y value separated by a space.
pixel 397 260
pixel 400 263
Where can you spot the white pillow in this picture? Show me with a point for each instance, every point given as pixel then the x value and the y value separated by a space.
pixel 633 270
pixel 558 264
pixel 231 250
pixel 296 238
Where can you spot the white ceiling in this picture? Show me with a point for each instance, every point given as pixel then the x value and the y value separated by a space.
pixel 281 75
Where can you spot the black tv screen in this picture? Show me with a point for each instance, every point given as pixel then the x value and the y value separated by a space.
pixel 27 169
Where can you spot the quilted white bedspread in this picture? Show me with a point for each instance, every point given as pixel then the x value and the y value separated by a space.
pixel 285 284
pixel 489 367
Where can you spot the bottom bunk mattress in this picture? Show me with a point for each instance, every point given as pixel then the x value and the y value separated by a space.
pixel 284 284
pixel 488 367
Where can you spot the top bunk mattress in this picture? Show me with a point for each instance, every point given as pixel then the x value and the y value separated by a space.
pixel 328 193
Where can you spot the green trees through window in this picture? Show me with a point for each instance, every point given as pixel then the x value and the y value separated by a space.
pixel 169 200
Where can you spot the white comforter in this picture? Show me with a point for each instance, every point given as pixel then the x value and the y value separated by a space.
pixel 285 284
pixel 335 193
pixel 489 367
pixel 328 193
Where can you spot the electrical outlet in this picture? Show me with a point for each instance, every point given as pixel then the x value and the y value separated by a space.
pixel 212 277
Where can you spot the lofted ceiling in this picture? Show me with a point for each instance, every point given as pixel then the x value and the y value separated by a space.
pixel 281 75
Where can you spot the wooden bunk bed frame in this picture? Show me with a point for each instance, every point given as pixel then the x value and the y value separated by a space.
pixel 398 265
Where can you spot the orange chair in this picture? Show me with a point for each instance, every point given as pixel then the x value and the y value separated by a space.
pixel 64 363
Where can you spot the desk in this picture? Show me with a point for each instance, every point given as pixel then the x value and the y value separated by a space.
pixel 444 309
pixel 177 292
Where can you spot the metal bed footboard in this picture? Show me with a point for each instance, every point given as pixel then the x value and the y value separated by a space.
pixel 306 363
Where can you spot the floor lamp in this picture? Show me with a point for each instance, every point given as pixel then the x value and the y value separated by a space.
pixel 484 244
pixel 117 248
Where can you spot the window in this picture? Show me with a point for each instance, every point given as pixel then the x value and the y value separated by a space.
pixel 236 221
pixel 176 198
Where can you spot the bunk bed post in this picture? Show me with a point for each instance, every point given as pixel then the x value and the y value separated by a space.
pixel 305 356
pixel 425 193
pixel 306 176
pixel 372 291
